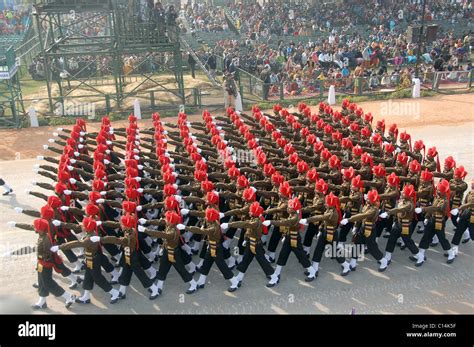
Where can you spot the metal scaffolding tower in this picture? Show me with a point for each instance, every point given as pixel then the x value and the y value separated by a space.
pixel 11 103
pixel 106 33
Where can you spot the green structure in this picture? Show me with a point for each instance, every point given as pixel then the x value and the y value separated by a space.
pixel 11 104
pixel 102 35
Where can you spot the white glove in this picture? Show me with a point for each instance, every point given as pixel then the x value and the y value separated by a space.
pixel 385 143
pixel 76 154
pixel 73 161
pixel 244 243
pixel 383 215
pixel 73 180
pixel 64 208
pixel 457 219
pixel 108 142
pixel 141 228
pixel 107 151
pixel 70 168
pixel 35 170
pixel 254 189
pixel 11 224
pixel 27 191
pixel 140 190
pixel 366 197
pixel 199 150
pixel 67 192
pixel 425 222
pixel 354 230
pixel 165 132
pixel 81 139
pixel 103 193
pixel 45 146
pixel 304 221
pixel 51 140
pixel 184 211
pixel 178 198
pixel 138 179
pixel 40 157
pixel 136 150
pixel 139 208
pixel 454 211
pixel 418 210
pixel 140 167
pixel 111 130
pixel 180 226
pixel 80 146
pixel 142 221
pixel 266 223
pixel 99 223
pixel 398 150
pixel 81 133
pixel 136 157
pixel 106 162
pixel 18 210
pixel 95 238
pixel 54 249
pixel 100 201
pixel 59 129
pixel 225 226
pixel 221 215
pixel 34 183
pixel 56 223
pixel 36 166
pixel 344 221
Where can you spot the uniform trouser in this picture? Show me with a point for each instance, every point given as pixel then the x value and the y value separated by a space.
pixel 321 245
pixel 47 284
pixel 454 220
pixel 65 271
pixel 144 261
pixel 219 260
pixel 430 231
pixel 259 255
pixel 186 257
pixel 344 230
pixel 372 246
pixel 113 250
pixel 70 255
pixel 95 275
pixel 463 224
pixel 133 268
pixel 286 249
pixel 165 266
pixel 240 244
pixel 397 232
pixel 274 239
pixel 310 233
pixel 202 252
pixel 383 223
pixel 143 245
pixel 105 263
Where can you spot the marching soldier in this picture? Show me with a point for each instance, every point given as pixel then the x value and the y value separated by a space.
pixel 437 215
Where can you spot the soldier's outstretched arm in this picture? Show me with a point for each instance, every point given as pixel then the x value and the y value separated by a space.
pixel 40 195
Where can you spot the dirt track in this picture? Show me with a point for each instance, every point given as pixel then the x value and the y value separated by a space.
pixel 446 111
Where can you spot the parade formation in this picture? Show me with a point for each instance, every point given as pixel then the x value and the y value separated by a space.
pixel 139 201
